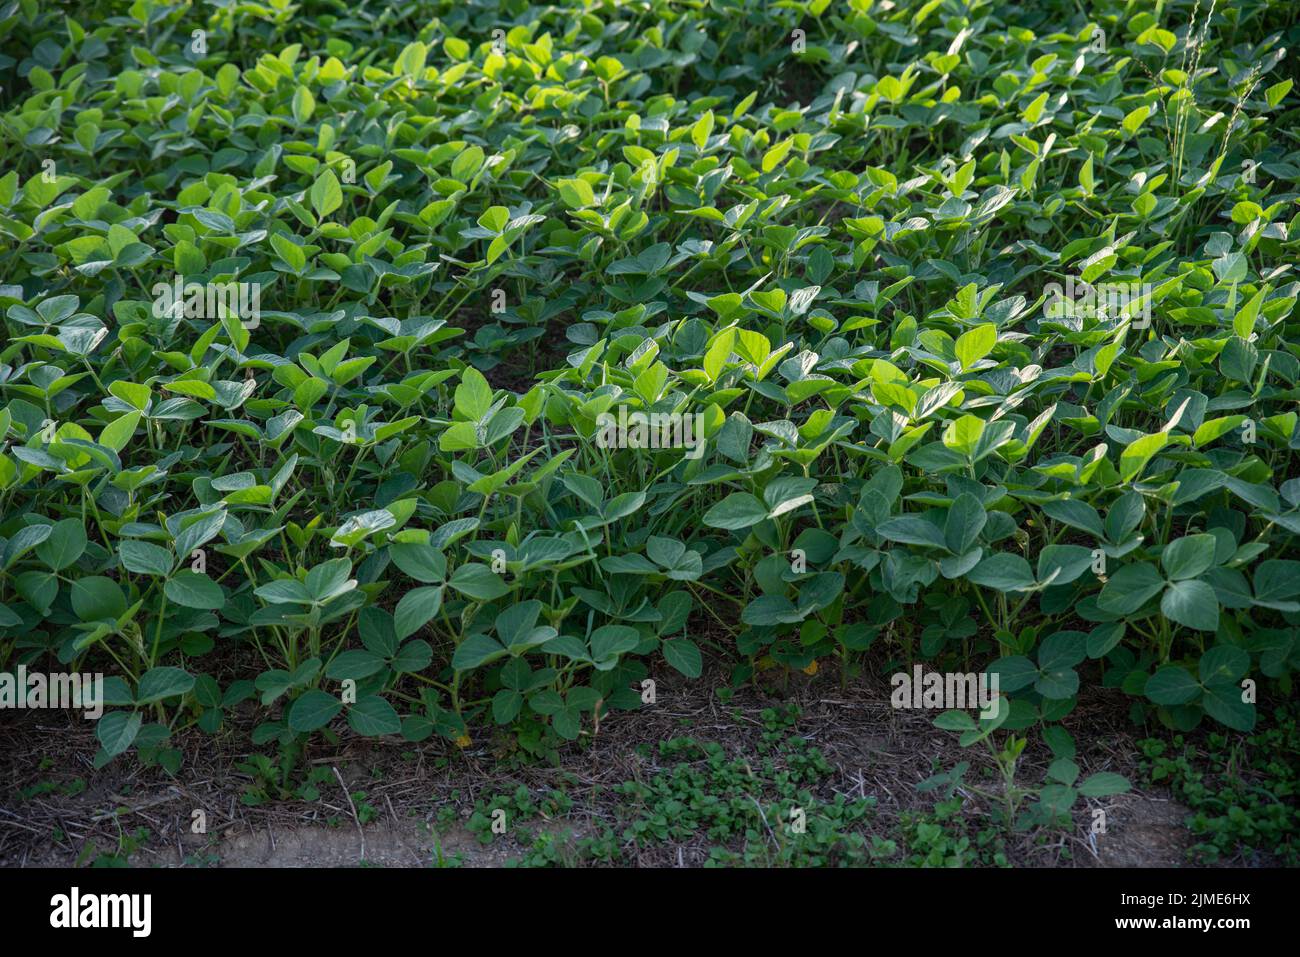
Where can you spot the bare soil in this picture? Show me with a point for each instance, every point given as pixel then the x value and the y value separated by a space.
pixel 55 810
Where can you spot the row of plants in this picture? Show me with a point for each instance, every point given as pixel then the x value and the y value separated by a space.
pixel 827 235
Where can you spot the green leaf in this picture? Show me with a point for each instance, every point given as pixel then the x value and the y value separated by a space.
pixel 476 651
pixel 1172 685
pixel 1057 683
pixel 354 664
pixel 1191 603
pixel 192 590
pixel 567 723
pixel 416 609
pixel 685 656
pixel 1076 514
pixel 974 344
pixel 117 730
pixel 1136 118
pixel 1188 556
pixel 1062 564
pixel 1014 673
pixel 776 154
pixel 165 682
pixel 506 704
pixel 289 251
pixel 495 219
pixel 23 541
pixel 1130 588
pixel 1213 429
pixel 1243 324
pixel 649 262
pixel 414 657
pixel 362 526
pixel 117 434
pixel 1223 664
pixel 1062 649
pixel 576 193
pixel 963 435
pixel 372 716
pixel 96 598
pixel 1239 358
pixel 955 721
pixel 467 163
pixel 329 580
pixel 738 510
pixel 326 194
pixel 1103 638
pixel 1104 784
pixel 610 641
pixel 478 582
pixel 65 544
pixel 304 105
pixel 1138 453
pixel 771 610
pixel 312 710
pixel 966 519
pixel 473 395
pixel 1223 702
pixel 701 129
pixel 1086 177
pixel 1276 580
pixel 422 562
pixel 410 62
pixel 1002 571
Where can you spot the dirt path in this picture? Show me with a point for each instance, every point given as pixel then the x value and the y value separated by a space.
pixel 414 805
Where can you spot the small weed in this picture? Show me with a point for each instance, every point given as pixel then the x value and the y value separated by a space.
pixel 1243 793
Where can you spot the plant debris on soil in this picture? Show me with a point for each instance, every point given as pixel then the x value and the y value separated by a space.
pixel 422 797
